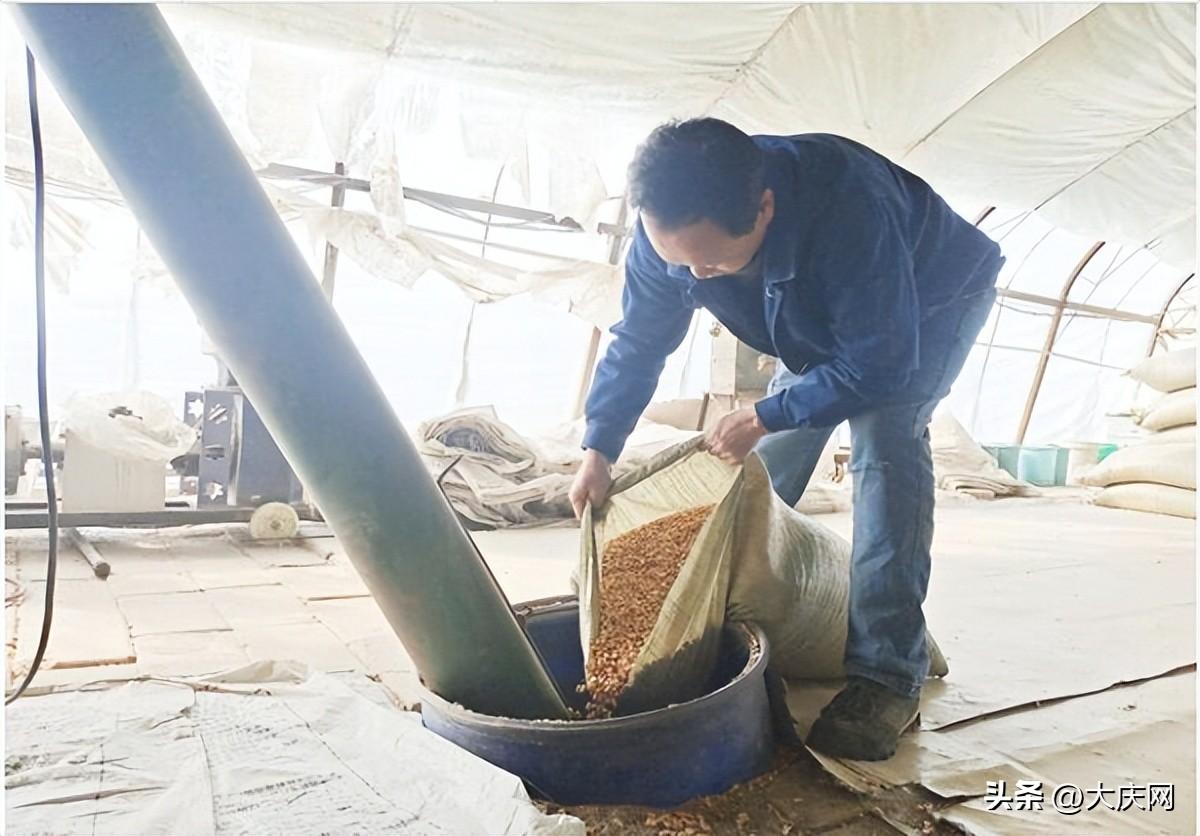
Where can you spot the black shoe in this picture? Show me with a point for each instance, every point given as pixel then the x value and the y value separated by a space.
pixel 863 722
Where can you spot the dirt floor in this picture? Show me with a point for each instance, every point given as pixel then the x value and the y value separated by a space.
pixel 796 797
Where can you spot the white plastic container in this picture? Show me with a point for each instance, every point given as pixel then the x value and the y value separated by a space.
pixel 1082 457
pixel 97 480
pixel 118 445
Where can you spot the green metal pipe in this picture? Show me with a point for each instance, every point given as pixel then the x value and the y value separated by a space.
pixel 129 86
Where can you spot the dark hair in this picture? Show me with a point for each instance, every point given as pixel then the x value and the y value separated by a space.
pixel 699 169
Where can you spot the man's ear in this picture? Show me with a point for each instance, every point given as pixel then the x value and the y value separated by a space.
pixel 766 206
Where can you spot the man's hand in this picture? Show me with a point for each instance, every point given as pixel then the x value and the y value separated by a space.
pixel 734 436
pixel 591 482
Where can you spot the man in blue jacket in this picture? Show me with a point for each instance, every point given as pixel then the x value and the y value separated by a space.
pixel 870 290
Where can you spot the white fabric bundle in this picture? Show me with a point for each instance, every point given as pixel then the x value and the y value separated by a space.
pixel 479 434
pixel 822 497
pixel 495 477
pixel 959 464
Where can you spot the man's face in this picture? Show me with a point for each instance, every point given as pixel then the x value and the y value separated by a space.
pixel 705 248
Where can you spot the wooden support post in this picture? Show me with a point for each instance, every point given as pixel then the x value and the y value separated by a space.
pixel 331 252
pixel 1051 335
pixel 1162 315
pixel 703 411
pixel 585 374
pixel 616 239
pixel 1083 307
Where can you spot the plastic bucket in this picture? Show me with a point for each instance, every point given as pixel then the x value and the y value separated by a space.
pixel 659 758
pixel 1062 464
pixel 1006 455
pixel 1043 466
pixel 1081 457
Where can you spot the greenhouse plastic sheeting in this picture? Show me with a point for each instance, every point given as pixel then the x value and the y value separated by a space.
pixel 1079 116
pixel 1085 111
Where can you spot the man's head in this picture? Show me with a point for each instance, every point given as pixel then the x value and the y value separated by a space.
pixel 701 188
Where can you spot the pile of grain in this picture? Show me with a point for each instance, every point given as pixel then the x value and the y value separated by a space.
pixel 637 570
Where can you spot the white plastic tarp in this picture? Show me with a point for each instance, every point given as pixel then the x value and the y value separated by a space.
pixel 270 748
pixel 1082 112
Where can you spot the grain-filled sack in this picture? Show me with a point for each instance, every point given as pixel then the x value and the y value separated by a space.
pixel 1167 372
pixel 753 559
pixel 1176 435
pixel 637 570
pixel 1177 409
pixel 1160 464
pixel 1154 499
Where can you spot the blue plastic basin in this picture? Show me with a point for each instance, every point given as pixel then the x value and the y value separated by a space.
pixel 659 758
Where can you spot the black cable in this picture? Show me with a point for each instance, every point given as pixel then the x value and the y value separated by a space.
pixel 39 263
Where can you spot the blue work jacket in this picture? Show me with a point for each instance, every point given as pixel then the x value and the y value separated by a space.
pixel 859 261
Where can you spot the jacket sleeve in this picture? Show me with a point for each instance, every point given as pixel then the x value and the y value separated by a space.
pixel 871 300
pixel 656 314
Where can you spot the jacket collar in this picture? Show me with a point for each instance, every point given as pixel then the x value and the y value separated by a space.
pixel 779 245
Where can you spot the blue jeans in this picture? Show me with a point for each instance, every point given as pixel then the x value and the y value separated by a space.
pixel 893 501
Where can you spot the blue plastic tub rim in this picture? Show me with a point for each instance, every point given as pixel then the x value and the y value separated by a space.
pixel 756 663
pixel 635 758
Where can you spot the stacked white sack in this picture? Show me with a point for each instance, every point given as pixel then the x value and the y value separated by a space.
pixel 1159 474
